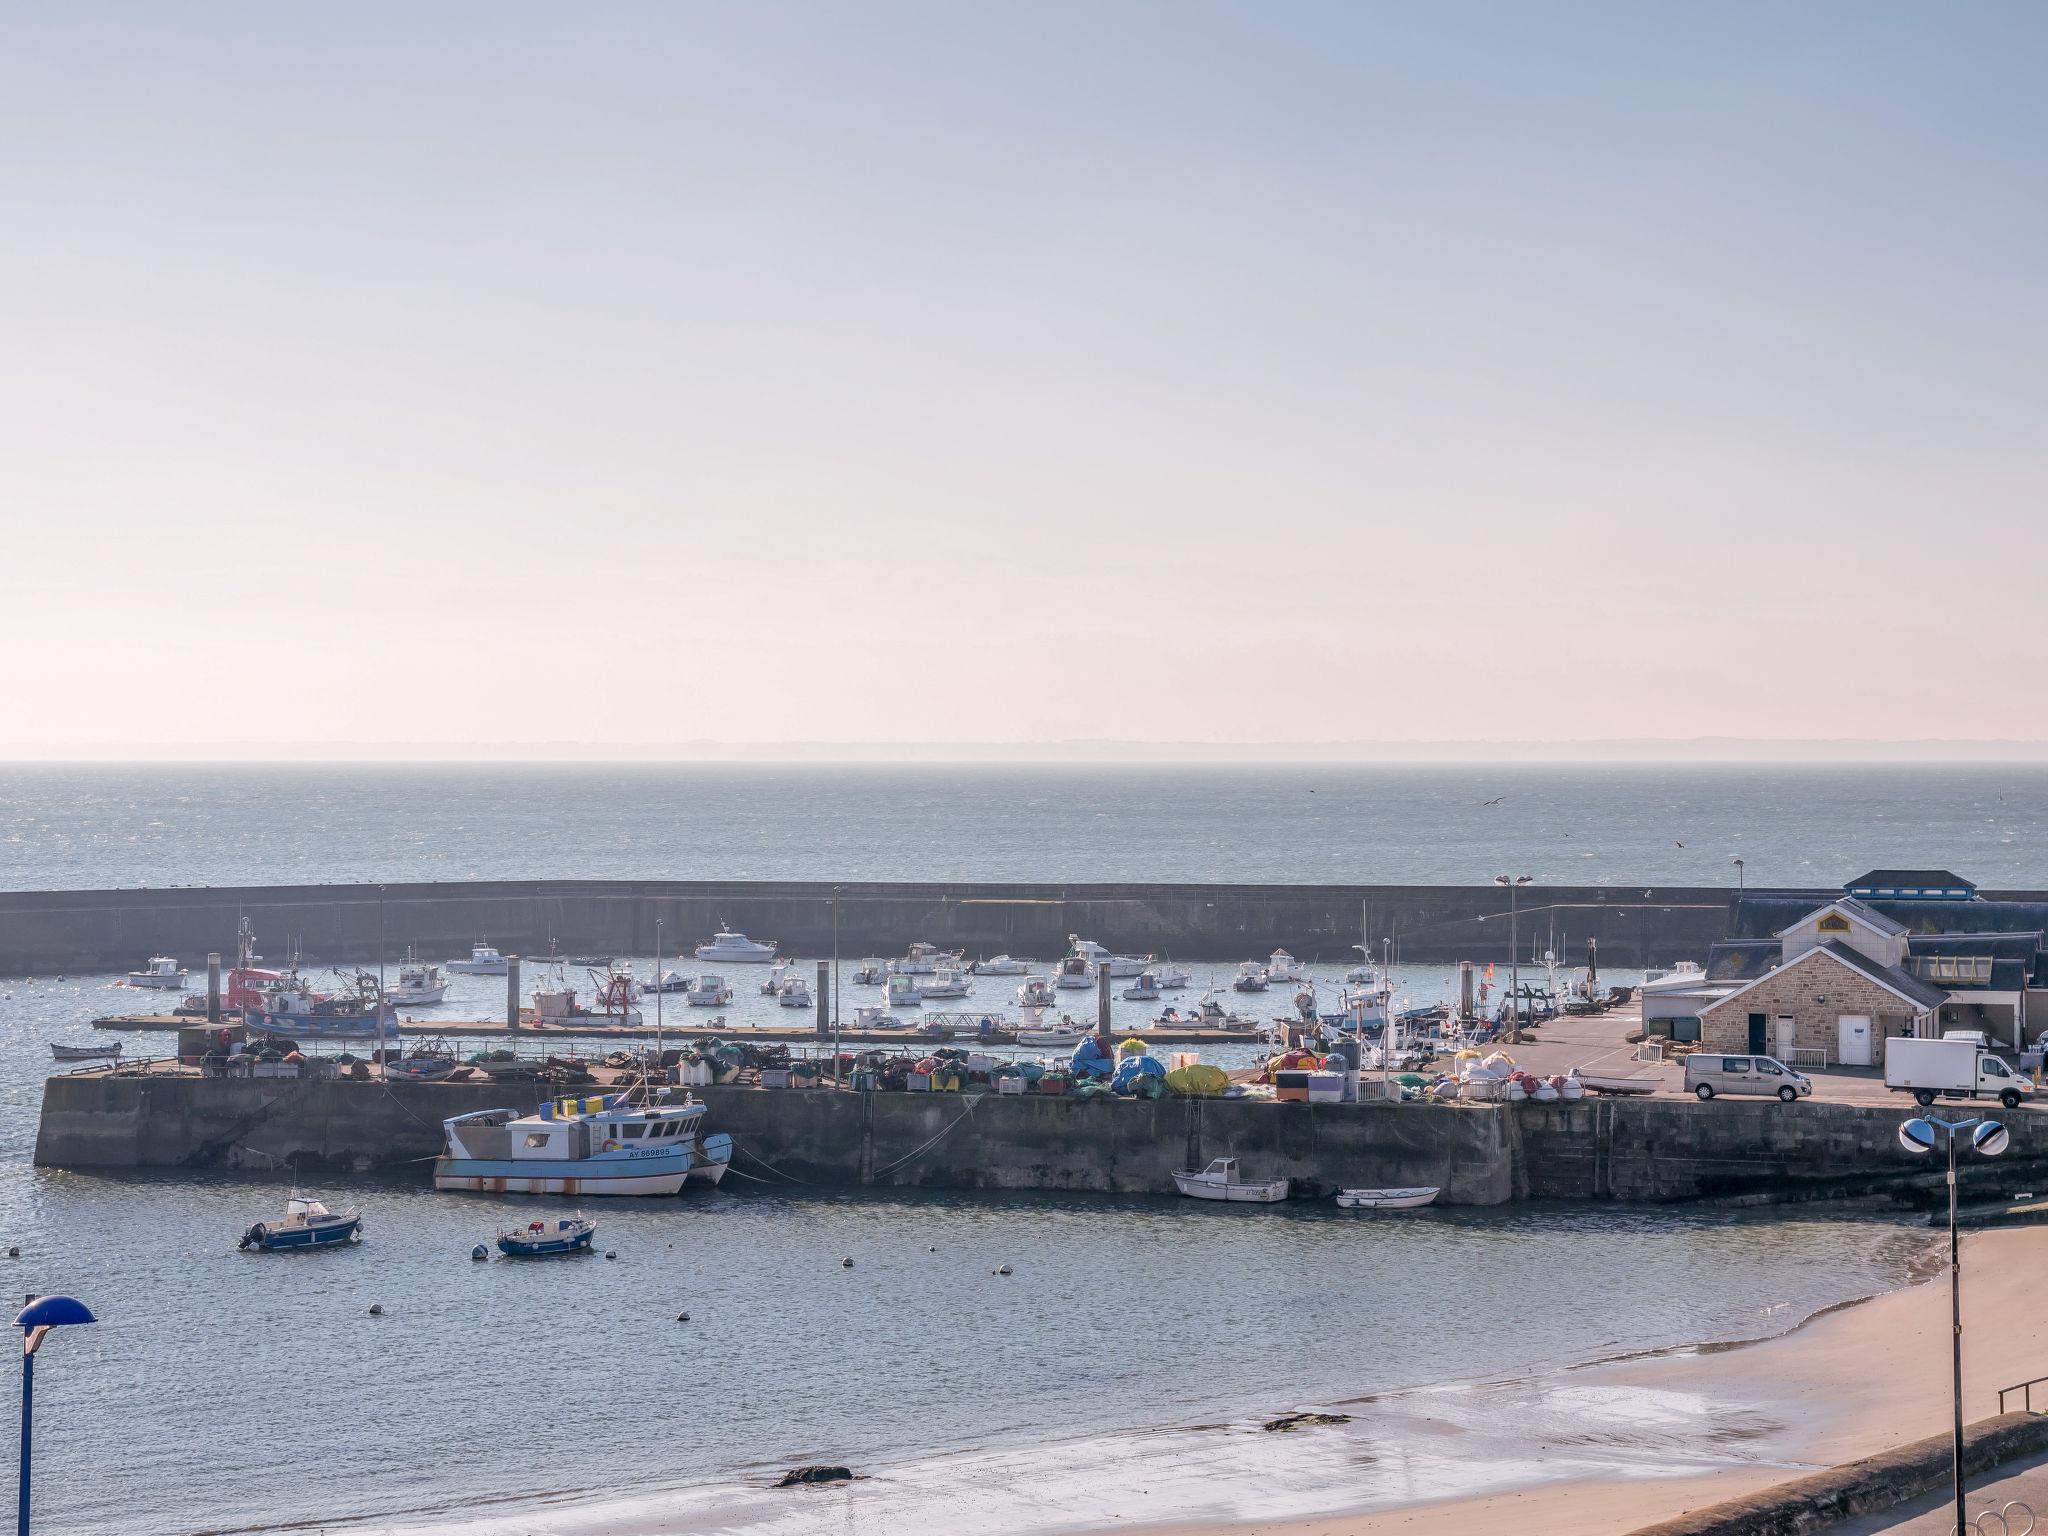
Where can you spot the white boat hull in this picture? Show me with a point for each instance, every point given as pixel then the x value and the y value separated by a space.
pixel 157 980
pixel 1386 1199
pixel 476 967
pixel 1197 1187
pixel 417 997
pixel 565 1184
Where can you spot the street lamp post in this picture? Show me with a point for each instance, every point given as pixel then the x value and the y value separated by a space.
pixel 1514 968
pixel 1741 883
pixel 35 1321
pixel 1989 1138
pixel 835 986
pixel 659 987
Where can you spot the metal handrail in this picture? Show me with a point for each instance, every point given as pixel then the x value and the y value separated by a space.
pixel 2026 1391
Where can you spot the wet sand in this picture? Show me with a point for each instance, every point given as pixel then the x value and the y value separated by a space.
pixel 1851 1382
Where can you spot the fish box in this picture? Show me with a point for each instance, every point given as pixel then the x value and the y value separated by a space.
pixel 866 1081
pixel 1326 1087
pixel 920 1082
pixel 1010 1085
pixel 775 1077
pixel 1291 1087
pixel 1052 1086
pixel 697 1074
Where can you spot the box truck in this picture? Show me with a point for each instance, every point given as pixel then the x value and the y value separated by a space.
pixel 1951 1069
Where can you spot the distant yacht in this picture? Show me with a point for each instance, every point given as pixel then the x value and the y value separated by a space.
pixel 1283 967
pixel 1001 965
pixel 944 982
pixel 483 961
pixel 925 958
pixel 1119 965
pixel 732 948
pixel 418 986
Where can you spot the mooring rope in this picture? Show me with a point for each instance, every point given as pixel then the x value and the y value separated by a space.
pixel 973 1101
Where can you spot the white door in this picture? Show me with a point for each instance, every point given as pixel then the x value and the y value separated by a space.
pixel 1788 1033
pixel 1854 1035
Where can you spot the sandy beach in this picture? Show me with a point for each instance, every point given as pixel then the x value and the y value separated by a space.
pixel 1851 1382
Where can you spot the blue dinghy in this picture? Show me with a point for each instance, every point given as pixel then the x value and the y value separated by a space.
pixel 545 1239
pixel 306 1224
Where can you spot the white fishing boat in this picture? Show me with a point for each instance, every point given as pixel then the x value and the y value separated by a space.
pixel 163 974
pixel 794 992
pixel 778 973
pixel 1387 1199
pixel 1251 977
pixel 705 990
pixel 1001 965
pixel 419 985
pixel 870 973
pixel 874 1016
pixel 1221 1180
pixel 1283 967
pixel 1035 992
pixel 729 947
pixel 601 1145
pixel 925 958
pixel 1120 966
pixel 483 961
pixel 557 1007
pixel 1208 1013
pixel 943 982
pixel 1076 973
pixel 85 1052
pixel 1144 990
pixel 901 992
pixel 1171 978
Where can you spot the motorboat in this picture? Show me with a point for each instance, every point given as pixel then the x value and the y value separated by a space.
pixel 1001 965
pixel 1364 975
pixel 548 1239
pixel 1387 1199
pixel 1283 967
pixel 901 991
pixel 483 961
pixel 1251 977
pixel 870 973
pixel 667 981
pixel 1171 978
pixel 1074 974
pixel 1035 992
pixel 163 974
pixel 794 992
pixel 925 958
pixel 874 1016
pixel 1120 966
pixel 1222 1180
pixel 778 973
pixel 729 947
pixel 706 991
pixel 1144 990
pixel 419 985
pixel 1058 1035
pixel 602 1145
pixel 1208 1013
pixel 85 1052
pixel 305 1224
pixel 944 982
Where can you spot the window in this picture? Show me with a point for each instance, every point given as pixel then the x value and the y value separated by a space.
pixel 635 1132
pixel 1735 1064
pixel 1768 1067
pixel 1993 1067
pixel 1954 970
pixel 1833 922
pixel 538 1138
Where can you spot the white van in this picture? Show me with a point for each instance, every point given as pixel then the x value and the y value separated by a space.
pixel 1708 1075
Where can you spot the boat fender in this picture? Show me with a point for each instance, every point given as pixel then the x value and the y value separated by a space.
pixel 846 1263
pixel 611 1253
pixel 376 1309
pixel 13 1251
pixel 479 1252
pixel 682 1317
pixel 1000 1269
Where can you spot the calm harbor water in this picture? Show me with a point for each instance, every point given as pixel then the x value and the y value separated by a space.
pixel 88 826
pixel 1136 1336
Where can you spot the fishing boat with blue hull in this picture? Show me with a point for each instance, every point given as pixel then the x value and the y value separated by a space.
pixel 603 1145
pixel 548 1239
pixel 306 1224
pixel 292 1010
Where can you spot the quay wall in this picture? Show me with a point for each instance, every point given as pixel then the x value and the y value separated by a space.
pixel 1644 1149
pixel 46 931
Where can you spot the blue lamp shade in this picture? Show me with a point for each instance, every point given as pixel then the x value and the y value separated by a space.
pixel 53 1312
pixel 1917 1136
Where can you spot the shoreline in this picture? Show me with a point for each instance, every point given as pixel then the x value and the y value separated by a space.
pixel 1851 1380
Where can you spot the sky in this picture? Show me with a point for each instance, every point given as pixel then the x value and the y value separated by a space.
pixel 626 375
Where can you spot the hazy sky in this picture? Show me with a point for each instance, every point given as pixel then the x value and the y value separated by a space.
pixel 958 371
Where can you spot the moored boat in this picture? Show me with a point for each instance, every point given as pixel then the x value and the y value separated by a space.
pixel 901 992
pixel 707 991
pixel 306 1223
pixel 433 1062
pixel 548 1239
pixel 1387 1199
pixel 292 1010
pixel 483 961
pixel 1251 977
pixel 1074 974
pixel 1035 992
pixel 601 1145
pixel 1144 990
pixel 163 973
pixel 1222 1180
pixel 944 982
pixel 794 992
pixel 1057 1035
pixel 728 946
pixel 1120 966
pixel 870 973
pixel 925 958
pixel 419 985
pixel 85 1052
pixel 1283 967
pixel 1001 965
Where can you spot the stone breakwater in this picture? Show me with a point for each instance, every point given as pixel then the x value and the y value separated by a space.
pixel 46 931
pixel 1480 1154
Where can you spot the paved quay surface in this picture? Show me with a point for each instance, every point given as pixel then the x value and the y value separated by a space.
pixel 1933 1514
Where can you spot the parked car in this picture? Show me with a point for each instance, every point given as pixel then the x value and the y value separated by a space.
pixel 1765 1075
pixel 1951 1068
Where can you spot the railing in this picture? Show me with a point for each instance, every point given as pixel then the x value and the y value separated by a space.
pixel 1806 1056
pixel 2026 1391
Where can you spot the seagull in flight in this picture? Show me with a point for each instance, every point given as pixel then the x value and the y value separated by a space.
pixel 1496 800
pixel 1679 844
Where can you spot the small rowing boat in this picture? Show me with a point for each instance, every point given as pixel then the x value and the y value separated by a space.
pixel 1387 1199
pixel 85 1052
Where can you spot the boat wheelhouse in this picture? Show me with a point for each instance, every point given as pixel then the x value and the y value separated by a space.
pixel 163 973
pixel 419 985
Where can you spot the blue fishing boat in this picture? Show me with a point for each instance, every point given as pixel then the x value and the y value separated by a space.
pixel 306 1224
pixel 546 1239
pixel 290 1009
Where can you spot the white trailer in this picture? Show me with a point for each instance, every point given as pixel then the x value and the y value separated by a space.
pixel 1951 1069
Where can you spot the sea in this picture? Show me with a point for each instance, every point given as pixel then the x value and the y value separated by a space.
pixel 1120 1372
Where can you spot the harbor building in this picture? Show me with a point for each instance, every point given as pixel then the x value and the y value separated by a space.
pixel 1910 951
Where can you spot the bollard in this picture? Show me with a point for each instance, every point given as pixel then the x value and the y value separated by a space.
pixel 823 995
pixel 1102 980
pixel 1464 989
pixel 511 991
pixel 213 987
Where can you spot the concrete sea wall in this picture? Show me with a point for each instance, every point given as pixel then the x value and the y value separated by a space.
pixel 45 931
pixel 1479 1154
